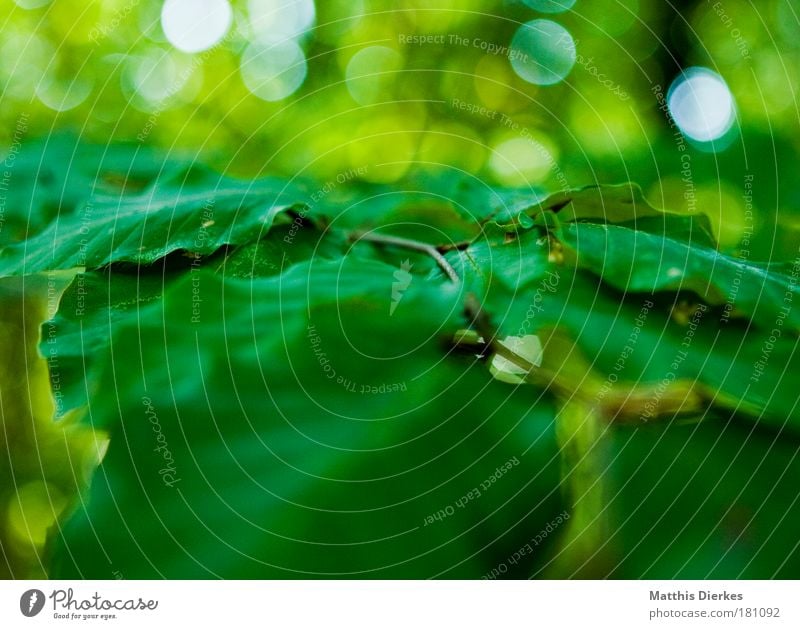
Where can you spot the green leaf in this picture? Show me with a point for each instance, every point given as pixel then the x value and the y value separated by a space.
pixel 97 302
pixel 624 204
pixel 191 210
pixel 636 261
pixel 48 179
pixel 91 308
pixel 306 431
pixel 438 207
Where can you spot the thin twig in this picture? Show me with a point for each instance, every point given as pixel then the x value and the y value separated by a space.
pixel 414 245
pixel 478 318
pixel 537 376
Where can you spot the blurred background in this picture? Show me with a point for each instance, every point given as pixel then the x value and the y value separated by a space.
pixel 694 99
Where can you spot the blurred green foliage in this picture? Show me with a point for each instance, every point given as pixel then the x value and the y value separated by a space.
pixel 391 93
pixel 44 464
pixel 310 429
pixel 395 86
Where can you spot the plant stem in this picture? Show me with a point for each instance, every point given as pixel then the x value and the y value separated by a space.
pixel 534 375
pixel 414 245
